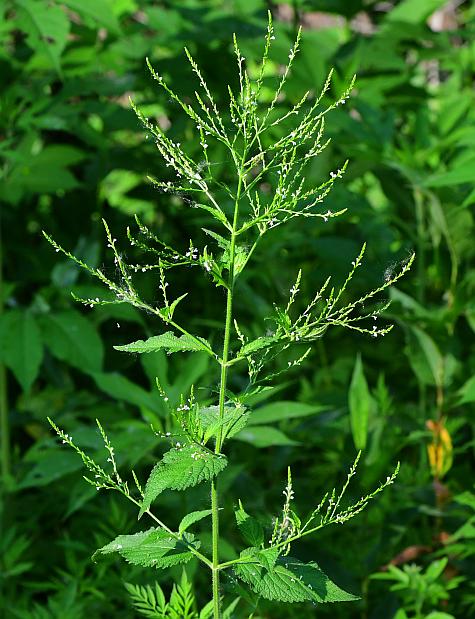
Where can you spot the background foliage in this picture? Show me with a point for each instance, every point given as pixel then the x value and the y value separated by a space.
pixel 72 151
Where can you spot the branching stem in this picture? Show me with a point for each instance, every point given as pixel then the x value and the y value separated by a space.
pixel 222 392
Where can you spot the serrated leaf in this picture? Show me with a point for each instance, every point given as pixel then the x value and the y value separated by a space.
pixel 193 517
pixel 167 341
pixel 152 548
pixel 255 345
pixel 250 528
pixel 234 420
pixel 288 580
pixel 179 469
pixel 147 601
pixel 222 242
pixel 359 403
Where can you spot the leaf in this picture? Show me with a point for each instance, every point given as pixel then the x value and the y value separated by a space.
pixel 21 348
pixel 182 600
pixel 359 403
pixel 464 173
pixel 288 580
pixel 251 529
pixel 179 469
pixel 234 420
pixel 255 345
pixel 49 466
pixel 173 305
pixel 167 341
pixel 222 242
pixel 425 357
pixel 435 569
pixel 278 411
pixel 467 391
pixel 97 10
pixel 120 388
pixel 147 601
pixel 152 548
pixel 413 11
pixel 72 338
pixel 228 612
pixel 46 27
pixel 193 517
pixel 45 171
pixel 264 436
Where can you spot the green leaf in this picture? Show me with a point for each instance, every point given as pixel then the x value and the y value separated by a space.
pixel 251 529
pixel 255 345
pixel 435 569
pixel 152 548
pixel 170 310
pixel 193 517
pixel 222 242
pixel 462 174
pixel 167 341
pixel 359 403
pixel 21 348
pixel 180 468
pixel 467 391
pixel 413 11
pixel 147 601
pixel 72 338
pixel 46 27
pixel 228 612
pixel 97 10
pixel 288 580
pixel 425 357
pixel 279 411
pixel 234 420
pixel 182 600
pixel 49 466
pixel 264 436
pixel 120 388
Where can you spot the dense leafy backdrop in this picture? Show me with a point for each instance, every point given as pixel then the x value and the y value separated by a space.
pixel 72 151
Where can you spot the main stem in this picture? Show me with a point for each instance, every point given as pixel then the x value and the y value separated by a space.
pixel 222 400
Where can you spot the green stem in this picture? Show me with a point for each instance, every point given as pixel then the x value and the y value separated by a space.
pixel 282 544
pixel 222 398
pixel 215 551
pixel 163 526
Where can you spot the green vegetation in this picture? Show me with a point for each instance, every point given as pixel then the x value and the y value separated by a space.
pixel 73 154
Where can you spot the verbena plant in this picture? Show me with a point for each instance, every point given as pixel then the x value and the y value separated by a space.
pixel 197 449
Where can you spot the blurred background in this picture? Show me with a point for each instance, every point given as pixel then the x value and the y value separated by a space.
pixel 72 151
